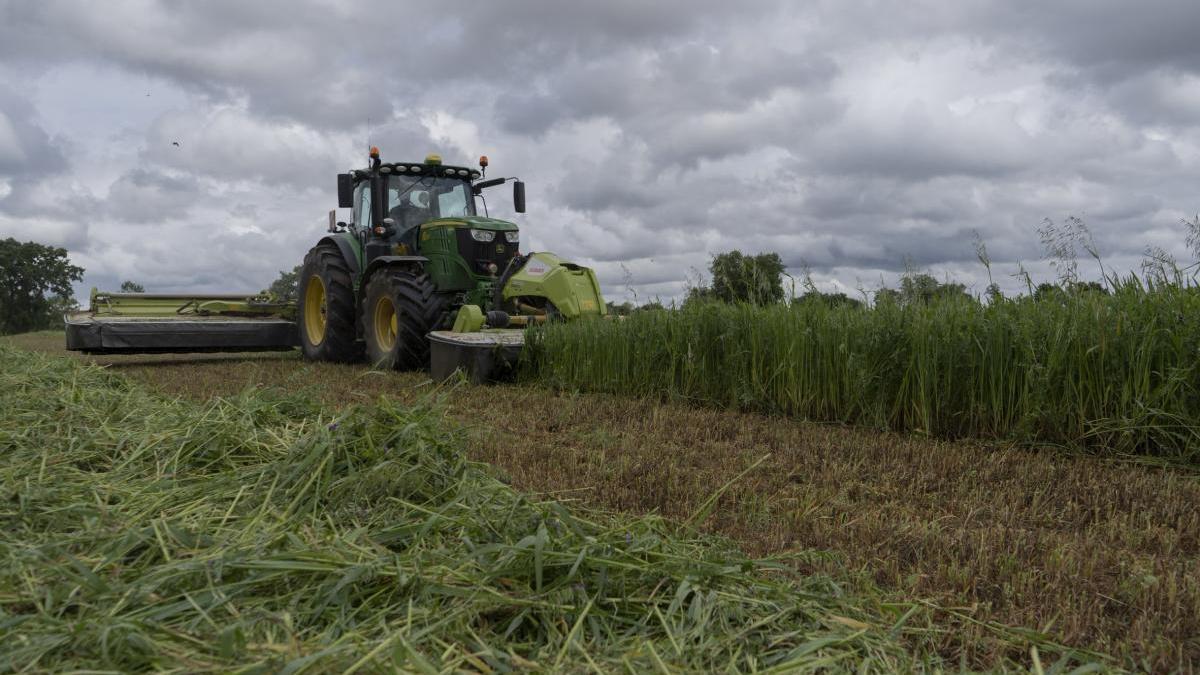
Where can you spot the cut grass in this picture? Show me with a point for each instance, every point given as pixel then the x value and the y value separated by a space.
pixel 1101 554
pixel 265 533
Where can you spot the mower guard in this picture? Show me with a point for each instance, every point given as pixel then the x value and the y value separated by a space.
pixel 93 334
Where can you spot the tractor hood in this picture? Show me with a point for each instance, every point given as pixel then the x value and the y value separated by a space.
pixel 473 222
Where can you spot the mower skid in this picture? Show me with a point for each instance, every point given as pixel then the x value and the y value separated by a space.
pixel 93 334
pixel 481 355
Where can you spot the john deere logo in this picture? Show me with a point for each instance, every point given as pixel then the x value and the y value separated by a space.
pixel 499 248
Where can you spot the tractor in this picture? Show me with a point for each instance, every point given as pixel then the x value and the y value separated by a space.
pixel 416 254
pixel 416 271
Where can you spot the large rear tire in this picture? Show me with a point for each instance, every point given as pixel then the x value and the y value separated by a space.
pixel 327 307
pixel 401 307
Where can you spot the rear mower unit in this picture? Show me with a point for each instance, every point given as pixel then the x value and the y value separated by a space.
pixel 416 271
pixel 137 323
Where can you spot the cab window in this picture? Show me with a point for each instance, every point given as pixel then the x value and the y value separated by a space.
pixel 362 214
pixel 453 202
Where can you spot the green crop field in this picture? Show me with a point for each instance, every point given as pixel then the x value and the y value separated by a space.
pixel 906 551
pixel 1115 373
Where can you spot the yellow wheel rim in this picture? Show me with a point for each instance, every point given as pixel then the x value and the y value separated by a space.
pixel 314 310
pixel 385 324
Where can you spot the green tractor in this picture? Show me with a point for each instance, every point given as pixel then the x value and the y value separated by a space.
pixel 417 259
pixel 416 270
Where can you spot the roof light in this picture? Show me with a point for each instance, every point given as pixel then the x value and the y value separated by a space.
pixel 462 172
pixel 401 168
pixel 433 159
pixel 449 172
pixel 374 152
pixel 483 161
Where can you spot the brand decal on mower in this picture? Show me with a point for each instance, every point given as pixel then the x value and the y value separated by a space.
pixel 535 270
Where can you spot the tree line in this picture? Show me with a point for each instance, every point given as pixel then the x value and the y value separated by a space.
pixel 760 280
pixel 35 286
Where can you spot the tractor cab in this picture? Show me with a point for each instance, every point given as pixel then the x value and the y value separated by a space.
pixel 397 208
pixel 408 195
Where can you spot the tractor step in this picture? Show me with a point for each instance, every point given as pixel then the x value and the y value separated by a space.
pixel 106 334
pixel 481 355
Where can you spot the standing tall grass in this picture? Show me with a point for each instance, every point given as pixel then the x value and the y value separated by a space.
pixel 1114 373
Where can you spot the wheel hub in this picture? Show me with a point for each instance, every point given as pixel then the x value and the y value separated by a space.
pixel 386 326
pixel 315 309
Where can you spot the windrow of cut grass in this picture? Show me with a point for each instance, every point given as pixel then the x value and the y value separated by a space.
pixel 1113 373
pixel 263 533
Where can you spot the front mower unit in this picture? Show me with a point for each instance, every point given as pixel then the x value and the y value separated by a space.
pixel 482 356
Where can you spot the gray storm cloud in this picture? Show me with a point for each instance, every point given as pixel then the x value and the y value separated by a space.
pixel 853 138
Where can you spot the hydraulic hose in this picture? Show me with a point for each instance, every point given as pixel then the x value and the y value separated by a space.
pixel 514 265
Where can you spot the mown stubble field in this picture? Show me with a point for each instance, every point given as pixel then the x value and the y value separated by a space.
pixel 1099 554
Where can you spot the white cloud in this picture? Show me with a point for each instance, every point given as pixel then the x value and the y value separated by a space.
pixel 848 135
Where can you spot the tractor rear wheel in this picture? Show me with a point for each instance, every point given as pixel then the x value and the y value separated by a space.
pixel 327 307
pixel 401 307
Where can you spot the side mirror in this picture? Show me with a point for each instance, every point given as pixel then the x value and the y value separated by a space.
pixel 345 191
pixel 519 196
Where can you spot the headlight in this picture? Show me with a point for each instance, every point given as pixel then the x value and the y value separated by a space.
pixel 512 237
pixel 483 235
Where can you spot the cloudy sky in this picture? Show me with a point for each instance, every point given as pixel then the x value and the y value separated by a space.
pixel 853 138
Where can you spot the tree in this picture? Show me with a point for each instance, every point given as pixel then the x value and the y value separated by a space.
pixel 35 285
pixel 287 287
pixel 699 295
pixel 994 294
pixel 742 278
pixel 620 309
pixel 920 289
pixel 924 289
pixel 132 287
pixel 827 299
pixel 887 296
pixel 1081 287
pixel 1047 291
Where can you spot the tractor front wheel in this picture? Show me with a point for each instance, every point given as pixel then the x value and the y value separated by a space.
pixel 401 307
pixel 327 307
